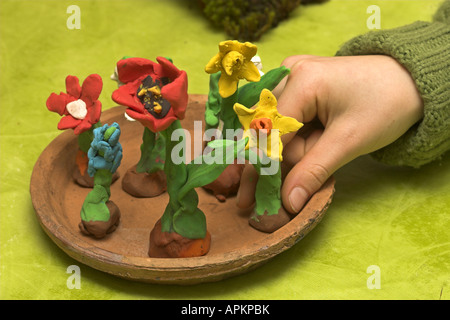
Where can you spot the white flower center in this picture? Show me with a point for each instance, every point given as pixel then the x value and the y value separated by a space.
pixel 77 109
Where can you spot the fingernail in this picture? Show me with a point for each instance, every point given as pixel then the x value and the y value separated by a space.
pixel 297 199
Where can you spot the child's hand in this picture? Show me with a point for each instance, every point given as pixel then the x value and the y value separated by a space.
pixel 361 103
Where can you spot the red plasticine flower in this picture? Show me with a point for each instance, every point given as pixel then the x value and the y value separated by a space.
pixel 155 93
pixel 80 105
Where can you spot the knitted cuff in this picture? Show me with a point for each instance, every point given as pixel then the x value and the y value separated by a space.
pixel 424 50
pixel 443 13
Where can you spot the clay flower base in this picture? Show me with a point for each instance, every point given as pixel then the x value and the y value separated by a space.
pixel 227 184
pixel 144 185
pixel 269 223
pixel 99 229
pixel 173 245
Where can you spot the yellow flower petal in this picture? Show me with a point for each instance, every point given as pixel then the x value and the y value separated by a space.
pixel 249 50
pixel 280 150
pixel 267 100
pixel 286 124
pixel 250 72
pixel 244 114
pixel 229 45
pixel 227 85
pixel 214 65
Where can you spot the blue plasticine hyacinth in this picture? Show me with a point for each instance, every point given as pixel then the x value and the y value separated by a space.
pixel 105 152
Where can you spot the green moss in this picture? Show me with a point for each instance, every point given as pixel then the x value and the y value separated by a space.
pixel 247 20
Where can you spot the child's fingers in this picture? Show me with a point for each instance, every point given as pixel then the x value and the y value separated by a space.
pixel 296 149
pixel 326 155
pixel 302 94
pixel 288 63
pixel 246 194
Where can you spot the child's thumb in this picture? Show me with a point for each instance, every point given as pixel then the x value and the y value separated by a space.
pixel 312 171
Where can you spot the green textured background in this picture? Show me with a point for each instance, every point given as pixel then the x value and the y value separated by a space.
pixel 395 218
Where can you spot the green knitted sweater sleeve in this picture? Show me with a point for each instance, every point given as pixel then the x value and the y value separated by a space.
pixel 423 48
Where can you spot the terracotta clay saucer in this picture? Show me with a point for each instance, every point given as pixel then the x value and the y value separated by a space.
pixel 236 247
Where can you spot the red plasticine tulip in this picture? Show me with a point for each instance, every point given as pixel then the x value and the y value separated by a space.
pixel 80 106
pixel 155 93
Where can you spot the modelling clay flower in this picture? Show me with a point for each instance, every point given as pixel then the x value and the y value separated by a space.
pixel 80 105
pixel 106 151
pixel 234 60
pixel 263 120
pixel 155 93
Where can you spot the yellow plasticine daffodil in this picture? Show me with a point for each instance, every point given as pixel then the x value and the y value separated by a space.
pixel 234 61
pixel 263 120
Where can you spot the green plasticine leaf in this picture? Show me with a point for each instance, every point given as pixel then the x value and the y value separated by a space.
pixel 220 143
pixel 268 195
pixel 250 92
pixel 94 207
pixel 167 219
pixel 268 188
pixel 108 133
pixel 190 224
pixel 211 119
pixel 204 171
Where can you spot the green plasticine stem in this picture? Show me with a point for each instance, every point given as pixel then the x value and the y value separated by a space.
pixel 227 114
pixel 94 207
pixel 268 194
pixel 181 215
pixel 268 188
pixel 85 138
pixel 152 152
pixel 212 107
